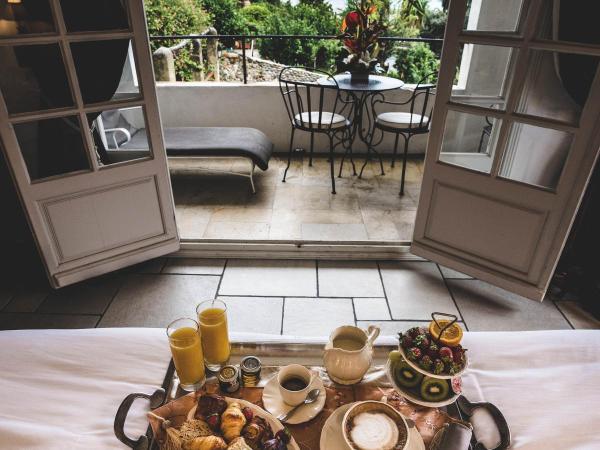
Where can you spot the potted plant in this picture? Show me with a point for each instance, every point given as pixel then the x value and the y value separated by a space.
pixel 360 34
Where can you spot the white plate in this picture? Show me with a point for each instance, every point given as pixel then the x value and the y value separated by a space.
pixel 410 396
pixel 275 405
pixel 272 421
pixel 332 436
pixel 431 374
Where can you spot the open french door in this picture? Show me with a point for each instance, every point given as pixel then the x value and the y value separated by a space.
pixel 515 134
pixel 66 68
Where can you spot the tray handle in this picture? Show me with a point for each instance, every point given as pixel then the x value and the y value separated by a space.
pixel 156 399
pixel 467 407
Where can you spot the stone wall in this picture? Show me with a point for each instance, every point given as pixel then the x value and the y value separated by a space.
pixel 231 69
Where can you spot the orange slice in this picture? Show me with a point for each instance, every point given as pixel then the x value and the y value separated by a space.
pixel 451 336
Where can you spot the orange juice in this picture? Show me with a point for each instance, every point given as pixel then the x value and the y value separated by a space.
pixel 187 354
pixel 215 336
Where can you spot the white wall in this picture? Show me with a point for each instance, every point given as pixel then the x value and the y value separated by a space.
pixel 259 105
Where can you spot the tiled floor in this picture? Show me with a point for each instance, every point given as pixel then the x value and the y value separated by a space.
pixel 210 205
pixel 297 297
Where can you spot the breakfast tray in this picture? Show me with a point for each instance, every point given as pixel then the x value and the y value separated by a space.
pixel 374 386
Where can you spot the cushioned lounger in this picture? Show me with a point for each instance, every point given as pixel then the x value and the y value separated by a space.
pixel 215 142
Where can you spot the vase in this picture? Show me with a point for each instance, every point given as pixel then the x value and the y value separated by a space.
pixel 359 77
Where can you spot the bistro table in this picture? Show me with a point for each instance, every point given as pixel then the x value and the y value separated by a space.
pixel 363 120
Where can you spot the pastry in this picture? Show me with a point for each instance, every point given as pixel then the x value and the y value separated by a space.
pixel 239 443
pixel 232 422
pixel 194 428
pixel 205 443
pixel 173 440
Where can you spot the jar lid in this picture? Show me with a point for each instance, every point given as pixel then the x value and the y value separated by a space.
pixel 228 373
pixel 250 364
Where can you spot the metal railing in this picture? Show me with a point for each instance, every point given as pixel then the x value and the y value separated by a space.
pixel 244 38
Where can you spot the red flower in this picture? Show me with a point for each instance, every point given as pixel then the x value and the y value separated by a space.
pixel 351 21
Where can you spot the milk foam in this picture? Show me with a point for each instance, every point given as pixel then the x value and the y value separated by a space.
pixel 374 431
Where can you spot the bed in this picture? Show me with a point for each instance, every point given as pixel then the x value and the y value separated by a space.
pixel 62 387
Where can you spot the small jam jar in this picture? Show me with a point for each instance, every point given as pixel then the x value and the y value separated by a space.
pixel 250 368
pixel 229 379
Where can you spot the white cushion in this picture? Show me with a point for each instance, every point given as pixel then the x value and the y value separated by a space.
pixel 326 120
pixel 401 119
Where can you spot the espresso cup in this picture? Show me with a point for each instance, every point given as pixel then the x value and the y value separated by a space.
pixel 290 380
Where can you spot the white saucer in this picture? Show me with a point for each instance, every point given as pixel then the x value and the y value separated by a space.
pixel 275 405
pixel 332 436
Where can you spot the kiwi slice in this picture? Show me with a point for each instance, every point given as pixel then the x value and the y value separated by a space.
pixel 405 375
pixel 434 389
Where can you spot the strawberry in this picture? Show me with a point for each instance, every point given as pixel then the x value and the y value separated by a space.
pixel 214 422
pixel 438 366
pixel 446 352
pixel 433 351
pixel 458 355
pixel 426 363
pixel 407 341
pixel 248 413
pixel 416 331
pixel 421 341
pixel 414 354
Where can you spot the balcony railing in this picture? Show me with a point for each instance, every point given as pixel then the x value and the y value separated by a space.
pixel 245 38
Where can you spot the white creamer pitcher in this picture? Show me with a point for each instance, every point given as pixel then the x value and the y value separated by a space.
pixel 349 353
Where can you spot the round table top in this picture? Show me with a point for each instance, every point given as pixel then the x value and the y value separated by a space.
pixel 376 83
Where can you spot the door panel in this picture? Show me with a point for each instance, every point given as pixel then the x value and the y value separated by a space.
pixel 92 207
pixel 506 168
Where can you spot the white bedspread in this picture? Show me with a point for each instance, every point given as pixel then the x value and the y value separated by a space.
pixel 61 388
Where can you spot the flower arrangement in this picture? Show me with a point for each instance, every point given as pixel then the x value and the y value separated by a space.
pixel 360 33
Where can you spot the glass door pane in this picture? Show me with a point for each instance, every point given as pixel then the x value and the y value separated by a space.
pixel 99 15
pixel 535 155
pixel 493 15
pixel 469 140
pixel 25 18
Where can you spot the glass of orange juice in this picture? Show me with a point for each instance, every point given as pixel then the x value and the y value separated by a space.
pixel 186 348
pixel 212 316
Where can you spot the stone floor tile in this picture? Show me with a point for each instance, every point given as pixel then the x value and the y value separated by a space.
pixel 579 318
pixel 193 221
pixel 487 308
pixel 316 316
pixel 415 290
pixel 236 230
pixel 194 266
pixel 151 266
pixel 391 327
pixel 157 300
pixel 254 314
pixel 241 214
pixel 334 232
pixel 294 278
pixel 349 279
pixel 28 296
pixel 285 230
pixel 20 321
pixel 371 309
pixel 453 274
pixel 88 297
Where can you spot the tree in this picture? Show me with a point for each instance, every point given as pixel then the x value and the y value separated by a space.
pixel 226 18
pixel 316 18
pixel 256 16
pixel 177 17
pixel 414 61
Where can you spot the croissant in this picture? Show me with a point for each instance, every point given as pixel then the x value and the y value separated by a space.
pixel 194 428
pixel 232 421
pixel 205 443
pixel 239 443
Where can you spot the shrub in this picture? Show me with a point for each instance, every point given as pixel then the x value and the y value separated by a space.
pixel 256 17
pixel 413 61
pixel 177 17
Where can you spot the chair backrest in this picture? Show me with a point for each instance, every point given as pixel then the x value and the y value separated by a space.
pixel 421 101
pixel 307 94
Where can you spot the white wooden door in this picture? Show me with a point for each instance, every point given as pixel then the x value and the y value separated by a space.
pixel 63 65
pixel 513 141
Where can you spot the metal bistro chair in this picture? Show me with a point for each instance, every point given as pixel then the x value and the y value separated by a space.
pixel 407 124
pixel 315 107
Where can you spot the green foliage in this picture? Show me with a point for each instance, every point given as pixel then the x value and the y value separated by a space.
pixel 225 16
pixel 177 17
pixel 435 23
pixel 413 61
pixel 314 18
pixel 256 17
